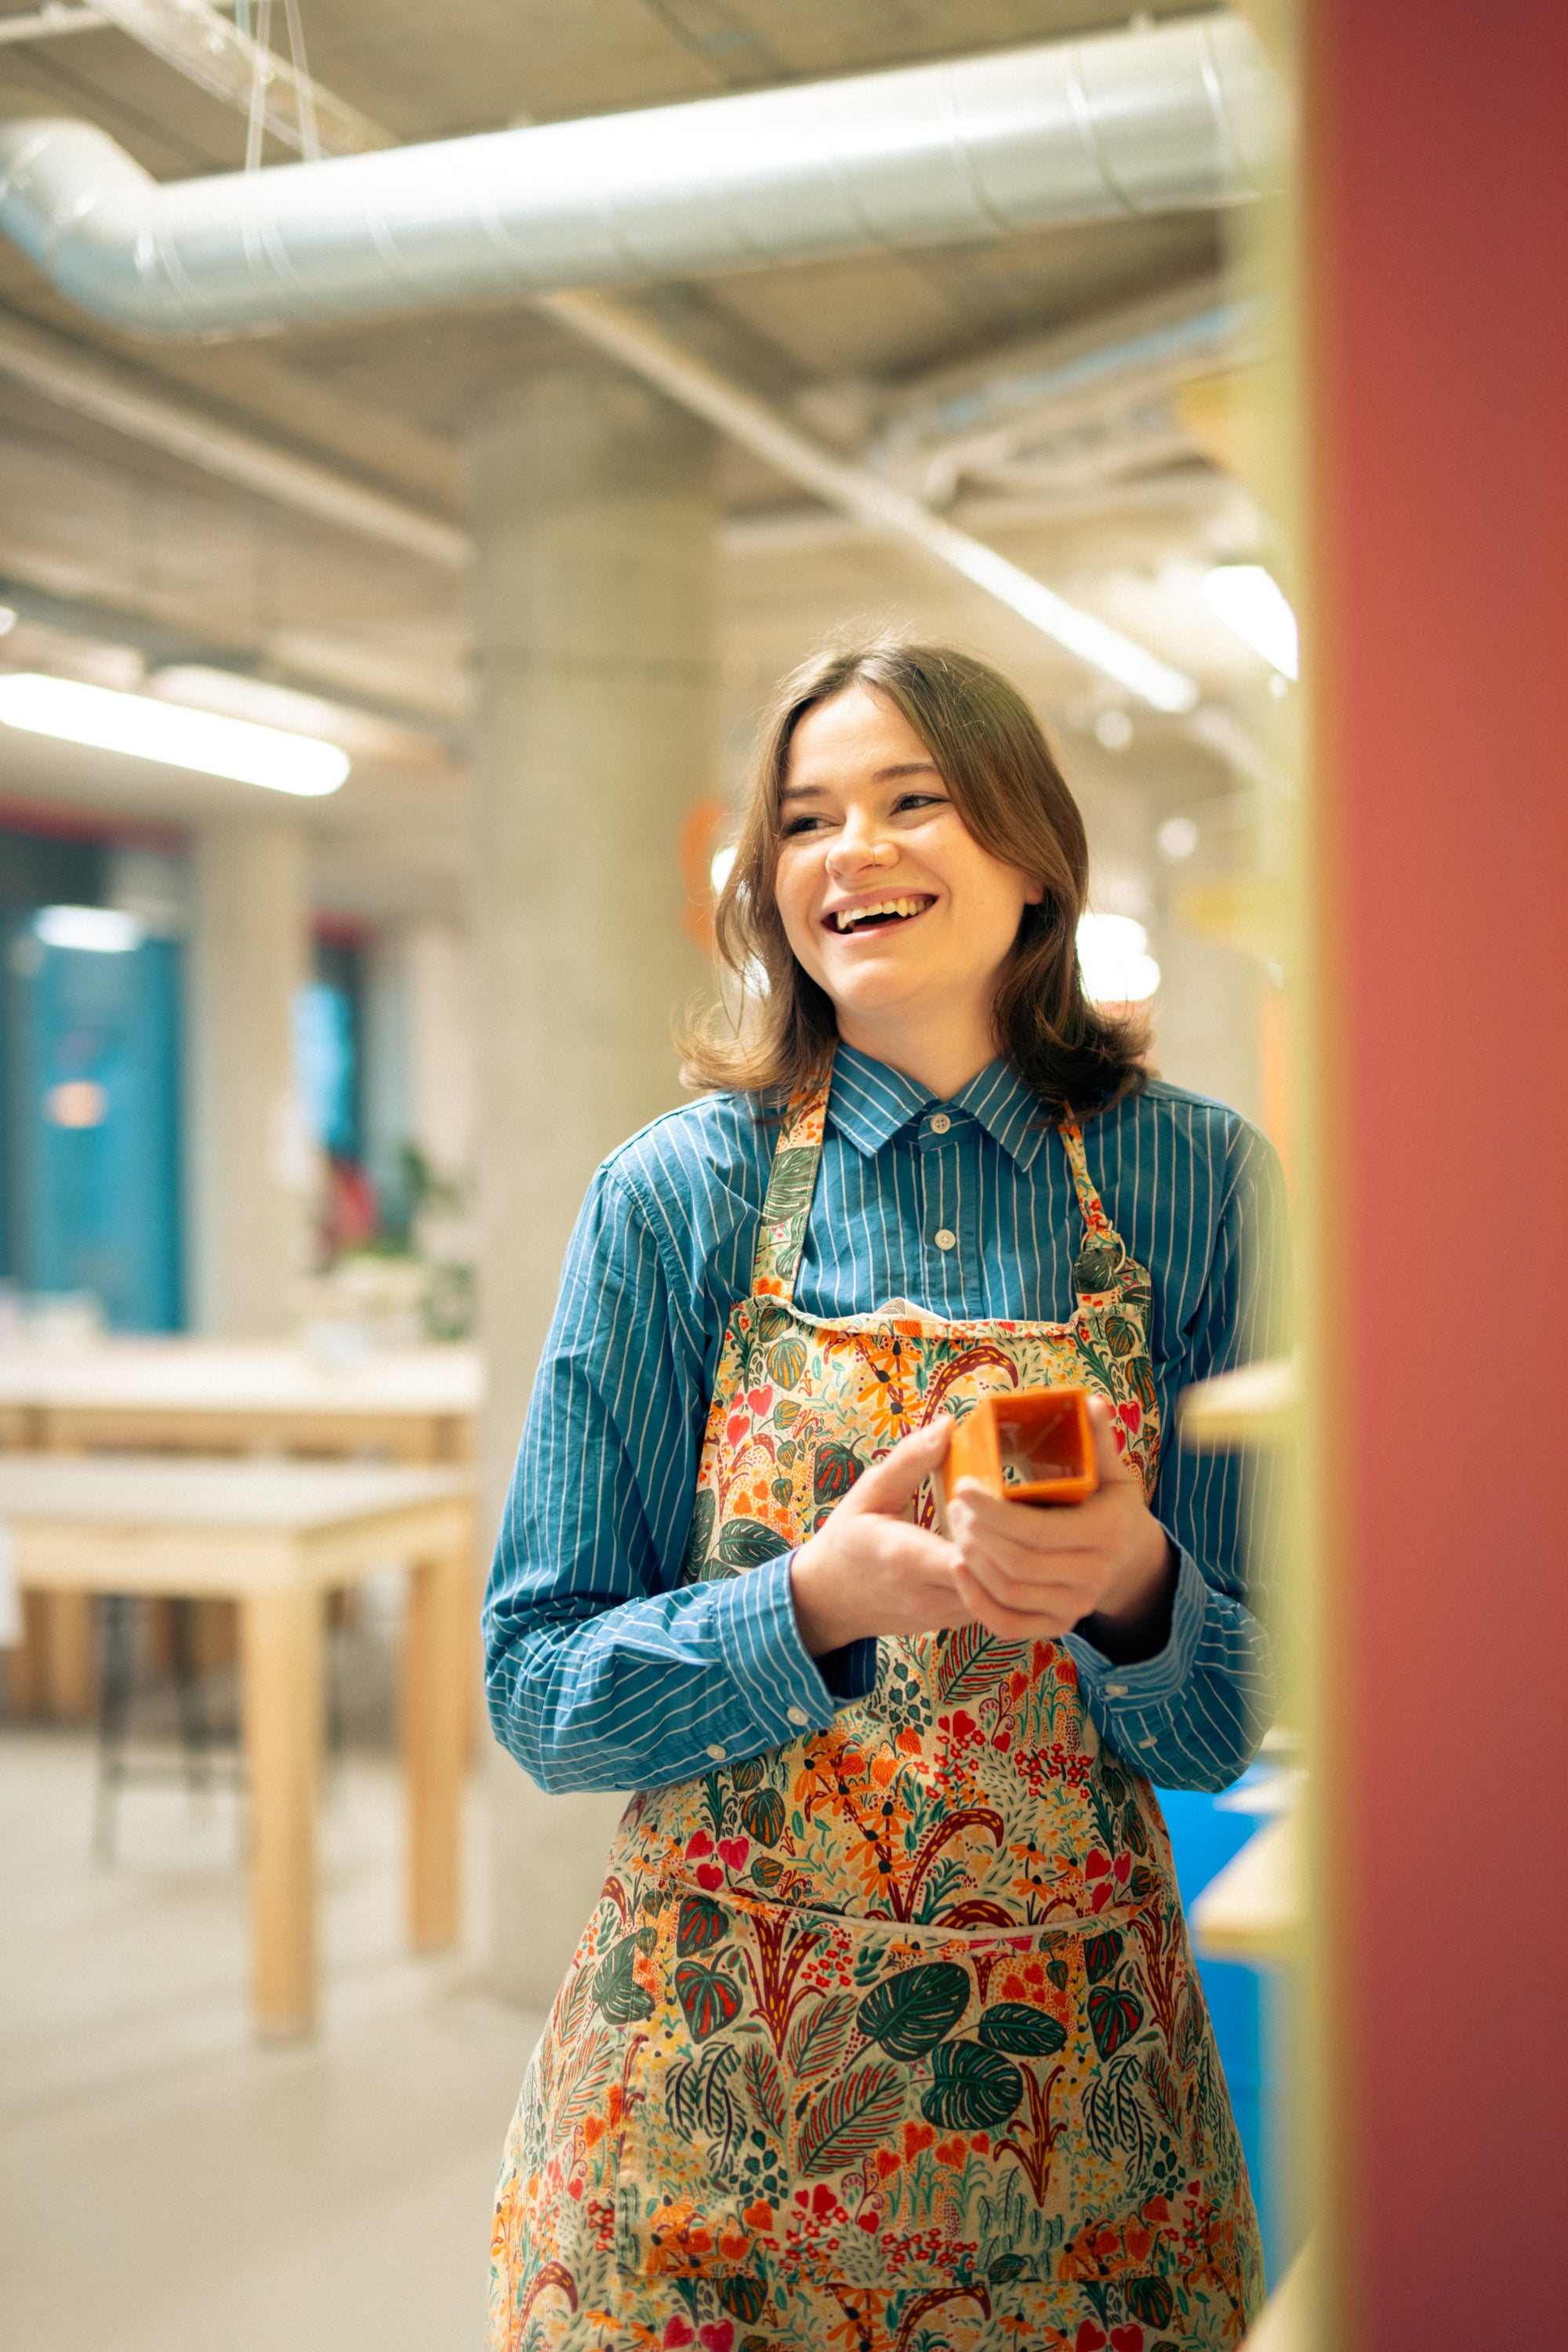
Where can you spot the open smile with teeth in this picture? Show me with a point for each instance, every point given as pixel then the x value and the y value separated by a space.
pixel 877 914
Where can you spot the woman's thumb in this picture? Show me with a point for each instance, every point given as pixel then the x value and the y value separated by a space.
pixel 892 1484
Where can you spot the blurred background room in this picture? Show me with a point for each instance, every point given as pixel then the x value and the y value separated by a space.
pixel 427 437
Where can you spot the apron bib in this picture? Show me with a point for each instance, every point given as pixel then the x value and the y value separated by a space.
pixel 890 2039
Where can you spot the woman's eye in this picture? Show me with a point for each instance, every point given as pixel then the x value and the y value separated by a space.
pixel 800 824
pixel 921 800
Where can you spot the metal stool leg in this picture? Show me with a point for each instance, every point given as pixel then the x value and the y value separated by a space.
pixel 116 1614
pixel 195 1735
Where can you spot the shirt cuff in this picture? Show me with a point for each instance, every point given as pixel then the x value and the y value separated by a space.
pixel 786 1689
pixel 1124 1691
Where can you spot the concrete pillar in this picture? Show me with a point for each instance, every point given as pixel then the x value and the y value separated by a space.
pixel 249 1160
pixel 596 618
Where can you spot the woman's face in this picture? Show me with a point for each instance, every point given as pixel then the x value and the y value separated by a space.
pixel 886 897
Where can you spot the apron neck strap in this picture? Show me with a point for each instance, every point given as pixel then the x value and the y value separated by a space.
pixel 1088 1200
pixel 1102 1252
pixel 781 1235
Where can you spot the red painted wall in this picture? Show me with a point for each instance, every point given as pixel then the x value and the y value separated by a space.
pixel 1437 317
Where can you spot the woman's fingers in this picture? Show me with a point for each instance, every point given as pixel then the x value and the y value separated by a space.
pixel 1035 1625
pixel 1002 1527
pixel 1064 1598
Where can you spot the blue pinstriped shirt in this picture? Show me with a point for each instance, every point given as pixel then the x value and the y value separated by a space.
pixel 602 1672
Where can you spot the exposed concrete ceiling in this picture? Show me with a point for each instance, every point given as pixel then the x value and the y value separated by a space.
pixel 109 528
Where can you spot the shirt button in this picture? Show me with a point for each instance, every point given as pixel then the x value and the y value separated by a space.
pixel 1115 1690
pixel 940 1123
pixel 716 1752
pixel 798 1715
pixel 944 1238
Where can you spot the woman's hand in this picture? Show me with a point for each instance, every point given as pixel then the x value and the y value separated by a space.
pixel 867 1570
pixel 1105 1564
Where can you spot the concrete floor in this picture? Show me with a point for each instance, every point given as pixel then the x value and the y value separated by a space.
pixel 167 2185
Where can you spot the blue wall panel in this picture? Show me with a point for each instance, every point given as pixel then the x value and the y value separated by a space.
pixel 93 1125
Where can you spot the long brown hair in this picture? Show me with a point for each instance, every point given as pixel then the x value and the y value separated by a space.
pixel 994 759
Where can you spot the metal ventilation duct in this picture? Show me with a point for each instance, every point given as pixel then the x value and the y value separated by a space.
pixel 1170 118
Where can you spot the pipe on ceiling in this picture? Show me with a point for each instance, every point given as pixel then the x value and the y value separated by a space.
pixel 1172 117
pixel 50 366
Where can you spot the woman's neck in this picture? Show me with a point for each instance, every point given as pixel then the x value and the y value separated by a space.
pixel 942 1057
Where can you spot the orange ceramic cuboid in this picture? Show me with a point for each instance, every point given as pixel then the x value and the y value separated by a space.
pixel 1033 1445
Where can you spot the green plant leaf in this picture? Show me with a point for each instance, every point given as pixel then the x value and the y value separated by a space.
pixel 820 2036
pixel 766 2085
pixel 1027 2033
pixel 971 1661
pixel 973 2089
pixel 850 2118
pixel 763 1814
pixel 909 2013
pixel 708 1996
pixel 787 1361
pixel 1115 2013
pixel 701 1923
pixel 616 1993
pixel 833 1471
pixel 700 1542
pixel 746 1543
pixel 743 2298
pixel 1096 1266
pixel 1058 1972
pixel 791 1183
pixel 1102 1952
pixel 1150 2300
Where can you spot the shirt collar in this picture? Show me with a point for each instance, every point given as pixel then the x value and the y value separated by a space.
pixel 869 1103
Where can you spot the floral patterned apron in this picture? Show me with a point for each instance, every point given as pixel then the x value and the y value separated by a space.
pixel 889 2040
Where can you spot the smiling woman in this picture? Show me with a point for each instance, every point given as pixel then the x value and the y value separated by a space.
pixel 888 2004
pixel 909 878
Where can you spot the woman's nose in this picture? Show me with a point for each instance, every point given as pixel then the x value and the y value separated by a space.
pixel 856 849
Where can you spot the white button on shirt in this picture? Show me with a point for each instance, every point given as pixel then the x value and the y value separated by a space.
pixel 716 1752
pixel 798 1715
pixel 940 1122
pixel 945 1238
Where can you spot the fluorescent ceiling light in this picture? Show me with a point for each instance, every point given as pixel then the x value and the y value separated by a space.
pixel 177 737
pixel 1251 601
pixel 1111 956
pixel 102 930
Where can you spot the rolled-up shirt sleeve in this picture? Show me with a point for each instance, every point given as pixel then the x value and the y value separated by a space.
pixel 1192 1715
pixel 602 1670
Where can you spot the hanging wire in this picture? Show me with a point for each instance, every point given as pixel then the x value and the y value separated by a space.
pixel 256 128
pixel 304 96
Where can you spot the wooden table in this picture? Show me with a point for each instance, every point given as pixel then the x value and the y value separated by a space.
pixel 274 1537
pixel 182 1395
pixel 214 1396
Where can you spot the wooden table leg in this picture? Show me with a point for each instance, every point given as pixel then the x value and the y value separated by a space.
pixel 281 1665
pixel 70 1678
pixel 438 1686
